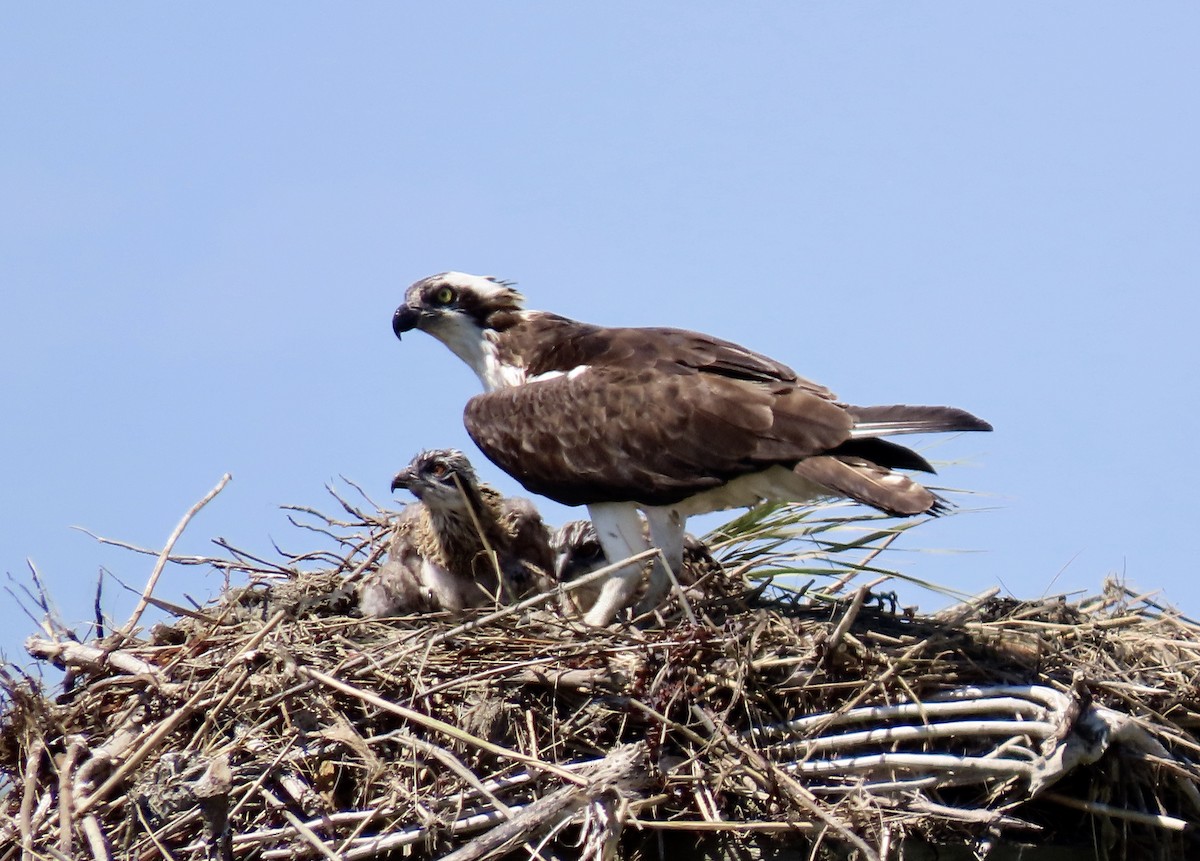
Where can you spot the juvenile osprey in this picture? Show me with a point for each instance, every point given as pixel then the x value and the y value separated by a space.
pixel 439 555
pixel 577 552
pixel 667 421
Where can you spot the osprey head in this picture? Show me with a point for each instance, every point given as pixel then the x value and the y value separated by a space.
pixel 439 477
pixel 464 312
pixel 451 303
pixel 577 550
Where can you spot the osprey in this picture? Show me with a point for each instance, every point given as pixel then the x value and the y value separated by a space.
pixel 665 421
pixel 441 553
pixel 577 552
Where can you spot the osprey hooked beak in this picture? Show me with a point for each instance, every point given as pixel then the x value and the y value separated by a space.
pixel 404 479
pixel 405 319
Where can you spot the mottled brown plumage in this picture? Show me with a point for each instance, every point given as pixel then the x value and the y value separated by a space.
pixel 462 545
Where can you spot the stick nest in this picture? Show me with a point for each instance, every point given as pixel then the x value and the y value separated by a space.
pixel 274 723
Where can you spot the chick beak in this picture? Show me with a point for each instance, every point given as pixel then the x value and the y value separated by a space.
pixel 403 479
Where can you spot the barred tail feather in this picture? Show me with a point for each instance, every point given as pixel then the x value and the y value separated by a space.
pixel 870 484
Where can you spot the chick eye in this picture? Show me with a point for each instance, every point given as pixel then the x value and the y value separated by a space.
pixel 438 470
pixel 444 296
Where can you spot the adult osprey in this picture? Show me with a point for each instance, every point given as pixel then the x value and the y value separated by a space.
pixel 667 421
pixel 462 545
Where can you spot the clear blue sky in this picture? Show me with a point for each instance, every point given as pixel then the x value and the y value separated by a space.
pixel 211 210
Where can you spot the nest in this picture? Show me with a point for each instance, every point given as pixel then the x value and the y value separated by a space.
pixel 274 723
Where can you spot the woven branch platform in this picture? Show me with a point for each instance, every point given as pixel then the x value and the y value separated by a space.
pixel 274 724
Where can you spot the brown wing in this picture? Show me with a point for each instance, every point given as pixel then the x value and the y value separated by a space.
pixel 552 343
pixel 655 435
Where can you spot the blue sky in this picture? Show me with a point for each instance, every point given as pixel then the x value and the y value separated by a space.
pixel 210 211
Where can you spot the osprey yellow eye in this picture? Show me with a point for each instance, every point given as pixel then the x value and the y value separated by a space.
pixel 444 296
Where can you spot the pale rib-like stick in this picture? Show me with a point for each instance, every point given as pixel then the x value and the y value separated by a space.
pixel 33 764
pixel 95 838
pixel 1099 808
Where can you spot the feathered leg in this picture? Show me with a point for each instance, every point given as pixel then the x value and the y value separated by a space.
pixel 619 528
pixel 666 533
